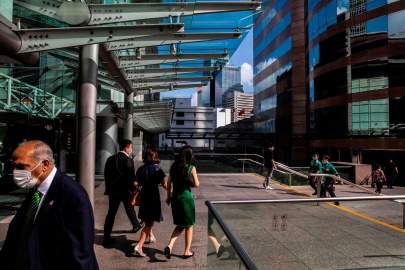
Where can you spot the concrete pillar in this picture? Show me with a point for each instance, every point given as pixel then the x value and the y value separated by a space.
pixel 86 121
pixel 107 140
pixel 137 146
pixel 129 121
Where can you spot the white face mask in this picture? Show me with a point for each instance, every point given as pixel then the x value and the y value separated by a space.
pixel 24 178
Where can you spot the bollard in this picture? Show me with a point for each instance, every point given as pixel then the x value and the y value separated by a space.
pixel 290 179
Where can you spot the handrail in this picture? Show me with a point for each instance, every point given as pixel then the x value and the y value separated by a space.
pixel 247 261
pixel 307 200
pixel 342 180
pixel 250 160
pixel 323 175
pixel 228 154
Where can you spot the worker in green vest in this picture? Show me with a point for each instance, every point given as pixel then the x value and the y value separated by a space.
pixel 327 185
pixel 314 167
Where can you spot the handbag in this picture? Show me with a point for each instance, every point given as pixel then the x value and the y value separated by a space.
pixel 135 198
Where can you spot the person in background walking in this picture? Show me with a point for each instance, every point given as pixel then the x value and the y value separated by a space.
pixel 54 227
pixel 120 178
pixel 392 173
pixel 270 166
pixel 149 177
pixel 183 176
pixel 328 185
pixel 314 167
pixel 378 178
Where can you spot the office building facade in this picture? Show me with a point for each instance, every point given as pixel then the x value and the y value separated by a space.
pixel 328 78
pixel 240 103
pixel 356 81
pixel 279 77
pixel 194 125
pixel 228 77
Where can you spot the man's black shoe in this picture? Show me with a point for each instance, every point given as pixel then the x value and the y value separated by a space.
pixel 337 203
pixel 108 241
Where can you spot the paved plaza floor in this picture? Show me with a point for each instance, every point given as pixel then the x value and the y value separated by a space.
pixel 353 236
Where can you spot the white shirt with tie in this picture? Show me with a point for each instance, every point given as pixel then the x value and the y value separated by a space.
pixel 44 187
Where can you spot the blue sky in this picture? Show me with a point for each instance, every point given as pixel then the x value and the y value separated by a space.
pixel 243 57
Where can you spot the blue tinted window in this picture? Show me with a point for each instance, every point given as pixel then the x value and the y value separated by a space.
pixel 313 57
pixel 373 4
pixel 268 17
pixel 322 20
pixel 311 91
pixel 283 48
pixel 376 25
pixel 342 6
pixel 286 21
pixel 396 24
pixel 271 80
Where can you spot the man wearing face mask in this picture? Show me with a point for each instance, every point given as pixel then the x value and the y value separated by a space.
pixel 54 227
pixel 119 174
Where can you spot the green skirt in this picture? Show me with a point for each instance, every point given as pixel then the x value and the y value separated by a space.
pixel 183 209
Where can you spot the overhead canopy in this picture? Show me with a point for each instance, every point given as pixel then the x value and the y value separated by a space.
pixel 153 116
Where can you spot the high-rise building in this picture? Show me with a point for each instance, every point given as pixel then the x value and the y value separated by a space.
pixel 239 102
pixel 356 80
pixel 193 125
pixel 329 78
pixel 279 76
pixel 228 77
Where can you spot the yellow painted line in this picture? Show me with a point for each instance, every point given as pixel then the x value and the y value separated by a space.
pixel 355 213
pixel 342 208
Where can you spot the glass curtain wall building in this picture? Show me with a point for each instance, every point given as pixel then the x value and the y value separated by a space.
pixel 356 60
pixel 279 76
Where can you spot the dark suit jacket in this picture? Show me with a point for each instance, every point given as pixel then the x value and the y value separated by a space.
pixel 62 236
pixel 120 170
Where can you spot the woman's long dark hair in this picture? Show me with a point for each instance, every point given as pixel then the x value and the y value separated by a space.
pixel 183 160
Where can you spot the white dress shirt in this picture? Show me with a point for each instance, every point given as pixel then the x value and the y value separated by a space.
pixel 44 187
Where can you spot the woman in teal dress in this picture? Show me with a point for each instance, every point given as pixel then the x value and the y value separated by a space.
pixel 183 176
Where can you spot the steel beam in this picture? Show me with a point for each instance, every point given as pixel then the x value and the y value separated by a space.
pixel 10 44
pixel 86 105
pixel 134 74
pixel 34 40
pixel 165 87
pixel 157 81
pixel 93 14
pixel 154 59
pixel 167 39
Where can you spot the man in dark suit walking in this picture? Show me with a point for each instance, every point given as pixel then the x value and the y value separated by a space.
pixel 119 174
pixel 54 227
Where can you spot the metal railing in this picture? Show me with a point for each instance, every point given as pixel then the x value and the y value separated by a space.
pixel 236 243
pixel 243 255
pixel 17 96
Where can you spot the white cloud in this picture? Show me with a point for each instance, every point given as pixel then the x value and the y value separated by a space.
pixel 246 71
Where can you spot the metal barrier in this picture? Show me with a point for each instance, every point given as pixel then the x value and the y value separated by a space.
pixel 241 251
pixel 24 98
pixel 246 260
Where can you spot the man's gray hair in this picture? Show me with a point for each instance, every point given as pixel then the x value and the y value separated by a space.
pixel 42 151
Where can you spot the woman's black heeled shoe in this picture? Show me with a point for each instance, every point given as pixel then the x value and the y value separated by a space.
pixel 188 256
pixel 167 252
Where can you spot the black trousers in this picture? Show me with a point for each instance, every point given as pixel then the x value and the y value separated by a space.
pixel 312 183
pixel 379 186
pixel 113 205
pixel 327 186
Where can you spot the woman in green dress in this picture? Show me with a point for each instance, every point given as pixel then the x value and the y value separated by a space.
pixel 183 176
